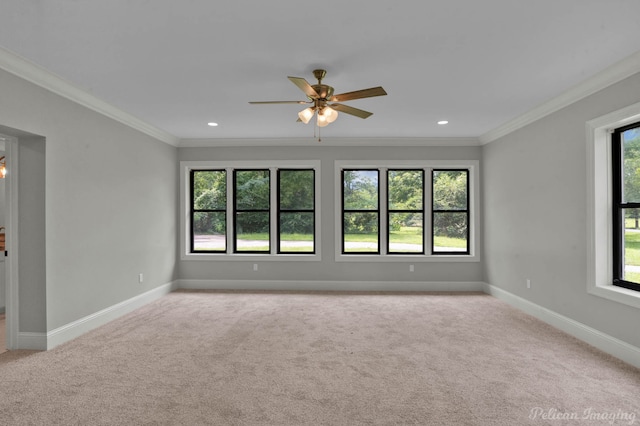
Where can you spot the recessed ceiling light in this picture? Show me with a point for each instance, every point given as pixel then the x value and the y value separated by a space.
pixel 212 124
pixel 443 122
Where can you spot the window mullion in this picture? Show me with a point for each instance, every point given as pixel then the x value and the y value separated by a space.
pixel 229 234
pixel 427 227
pixel 274 210
pixel 383 212
pixel 191 210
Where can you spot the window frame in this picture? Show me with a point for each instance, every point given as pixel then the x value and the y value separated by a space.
pixel 599 175
pixel 434 211
pixel 280 211
pixel 618 208
pixel 186 167
pixel 343 211
pixel 237 211
pixel 390 211
pixel 473 166
pixel 193 211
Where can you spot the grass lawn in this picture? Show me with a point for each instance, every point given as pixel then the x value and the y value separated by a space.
pixel 632 248
pixel 263 236
pixel 632 253
pixel 406 235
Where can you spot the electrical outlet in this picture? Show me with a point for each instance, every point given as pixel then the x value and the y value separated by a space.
pixel 411 269
pixel 255 266
pixel 528 283
pixel 140 278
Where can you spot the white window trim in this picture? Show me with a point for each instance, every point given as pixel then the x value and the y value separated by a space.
pixel 599 206
pixel 185 199
pixel 474 210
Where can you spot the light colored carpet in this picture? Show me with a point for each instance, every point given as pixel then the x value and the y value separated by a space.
pixel 269 358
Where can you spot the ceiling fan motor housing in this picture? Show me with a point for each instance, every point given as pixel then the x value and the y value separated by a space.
pixel 324 91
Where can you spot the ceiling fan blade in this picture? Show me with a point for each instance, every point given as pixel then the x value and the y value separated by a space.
pixel 304 86
pixel 351 110
pixel 278 102
pixel 359 94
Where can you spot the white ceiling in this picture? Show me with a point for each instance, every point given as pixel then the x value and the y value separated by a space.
pixel 180 64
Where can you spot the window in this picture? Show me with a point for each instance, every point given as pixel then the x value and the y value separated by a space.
pixel 209 210
pixel 600 133
pixel 360 211
pixel 251 209
pixel 626 206
pixel 296 211
pixel 407 209
pixel 450 211
pixel 405 212
pixel 251 197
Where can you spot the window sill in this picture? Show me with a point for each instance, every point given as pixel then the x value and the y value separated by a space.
pixel 617 294
pixel 251 257
pixel 417 258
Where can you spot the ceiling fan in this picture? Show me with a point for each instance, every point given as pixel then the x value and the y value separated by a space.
pixel 324 102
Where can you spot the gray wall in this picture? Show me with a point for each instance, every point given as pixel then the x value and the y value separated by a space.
pixel 32 230
pixel 328 269
pixel 110 207
pixel 534 182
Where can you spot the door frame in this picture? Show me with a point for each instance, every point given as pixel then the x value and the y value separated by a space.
pixel 12 313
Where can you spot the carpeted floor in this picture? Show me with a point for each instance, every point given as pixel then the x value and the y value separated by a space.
pixel 270 358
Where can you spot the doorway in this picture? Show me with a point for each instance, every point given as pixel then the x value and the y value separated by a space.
pixel 25 232
pixel 8 288
pixel 3 282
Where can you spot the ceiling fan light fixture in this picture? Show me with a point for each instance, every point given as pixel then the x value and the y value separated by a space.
pixel 322 120
pixel 306 114
pixel 329 114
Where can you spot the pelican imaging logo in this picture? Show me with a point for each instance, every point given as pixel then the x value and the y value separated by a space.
pixel 587 415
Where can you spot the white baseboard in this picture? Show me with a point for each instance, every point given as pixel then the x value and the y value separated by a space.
pixel 76 328
pixel 297 285
pixel 32 341
pixel 609 344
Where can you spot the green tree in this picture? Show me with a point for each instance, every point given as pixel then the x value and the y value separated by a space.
pixel 296 201
pixel 631 172
pixel 405 193
pixel 252 193
pixel 450 195
pixel 209 193
pixel 360 193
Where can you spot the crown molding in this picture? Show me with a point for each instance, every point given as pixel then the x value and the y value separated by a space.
pixel 343 142
pixel 611 75
pixel 37 75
